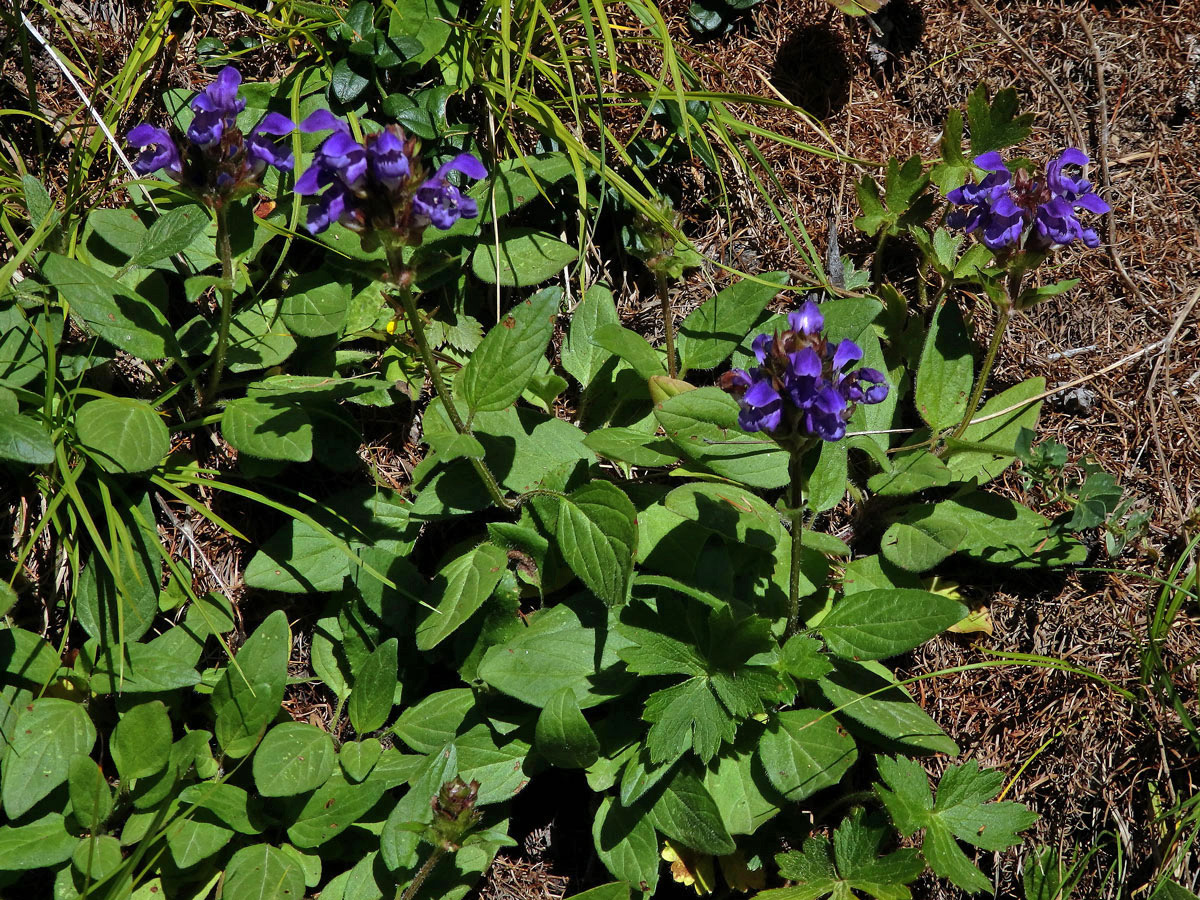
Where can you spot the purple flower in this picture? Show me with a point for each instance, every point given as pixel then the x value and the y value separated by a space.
pixel 441 203
pixel 1057 223
pixel 219 162
pixel 217 108
pixel 158 151
pixel 1037 214
pixel 803 387
pixel 262 151
pixel 379 183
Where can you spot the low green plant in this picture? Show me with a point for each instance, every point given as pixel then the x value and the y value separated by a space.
pixel 640 592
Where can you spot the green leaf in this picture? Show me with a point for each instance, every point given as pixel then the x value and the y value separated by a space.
pixel 263 872
pixel 910 474
pixel 858 7
pixel 135 668
pixel 48 734
pixel 97 857
pixel 141 742
pixel 25 439
pixel 227 803
pixel 433 723
pixel 268 428
pixel 500 368
pixel 21 347
pixel 553 652
pixel 946 371
pixel 597 535
pixel 247 697
pixel 197 838
pixel 458 591
pixel 962 811
pixel 1002 532
pixel 38 845
pixel 686 716
pixel 735 783
pixel 375 687
pixel 861 693
pixel 522 257
pixel 25 657
pixel 107 307
pixel 172 232
pixel 332 808
pixel 631 347
pixel 988 448
pixel 804 751
pixel 881 623
pixel 827 478
pixel 627 844
pixel 358 758
pixel 91 797
pixel 920 542
pixel 122 434
pixel 616 891
pixel 703 424
pixel 428 22
pixel 316 303
pixel 631 446
pixel 739 515
pixel 497 763
pixel 685 812
pixel 293 758
pixel 581 358
pixel 853 865
pixel 346 85
pixel 1048 877
pixel 713 330
pixel 298 559
pixel 995 125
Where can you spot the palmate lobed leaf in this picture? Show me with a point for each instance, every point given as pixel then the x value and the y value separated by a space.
pixel 963 810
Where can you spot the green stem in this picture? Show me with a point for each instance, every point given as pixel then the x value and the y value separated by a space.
pixel 664 299
pixel 1002 320
pixel 226 252
pixel 443 392
pixel 422 874
pixel 877 259
pixel 796 515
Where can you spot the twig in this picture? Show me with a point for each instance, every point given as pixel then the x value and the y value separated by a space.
pixel 70 76
pixel 1102 151
pixel 1172 494
pixel 1074 351
pixel 186 530
pixel 1032 60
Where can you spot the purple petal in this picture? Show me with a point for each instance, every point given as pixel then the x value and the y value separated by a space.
pixel 807 319
pixel 991 161
pixel 805 362
pixel 1092 203
pixel 762 346
pixel 465 163
pixel 274 123
pixel 323 120
pixel 847 352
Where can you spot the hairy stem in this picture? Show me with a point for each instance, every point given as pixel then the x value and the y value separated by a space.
pixel 443 392
pixel 796 515
pixel 664 300
pixel 218 360
pixel 422 874
pixel 1004 317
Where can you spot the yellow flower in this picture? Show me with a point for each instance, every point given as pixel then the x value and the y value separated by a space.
pixel 689 867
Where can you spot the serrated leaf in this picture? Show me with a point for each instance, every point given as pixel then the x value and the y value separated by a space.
pixel 458 591
pixel 597 535
pixel 962 811
pixel 108 307
pixel 685 812
pixel 501 366
pixel 714 329
pixel 995 125
pixel 172 232
pixel 122 434
pixel 880 623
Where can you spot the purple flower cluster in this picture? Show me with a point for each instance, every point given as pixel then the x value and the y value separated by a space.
pixel 1023 212
pixel 802 387
pixel 217 159
pixel 380 183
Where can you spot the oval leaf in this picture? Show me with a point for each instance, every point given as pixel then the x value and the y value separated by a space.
pixel 123 435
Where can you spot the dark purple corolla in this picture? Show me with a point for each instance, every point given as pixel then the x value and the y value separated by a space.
pixel 1022 212
pixel 214 158
pixel 803 387
pixel 380 184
